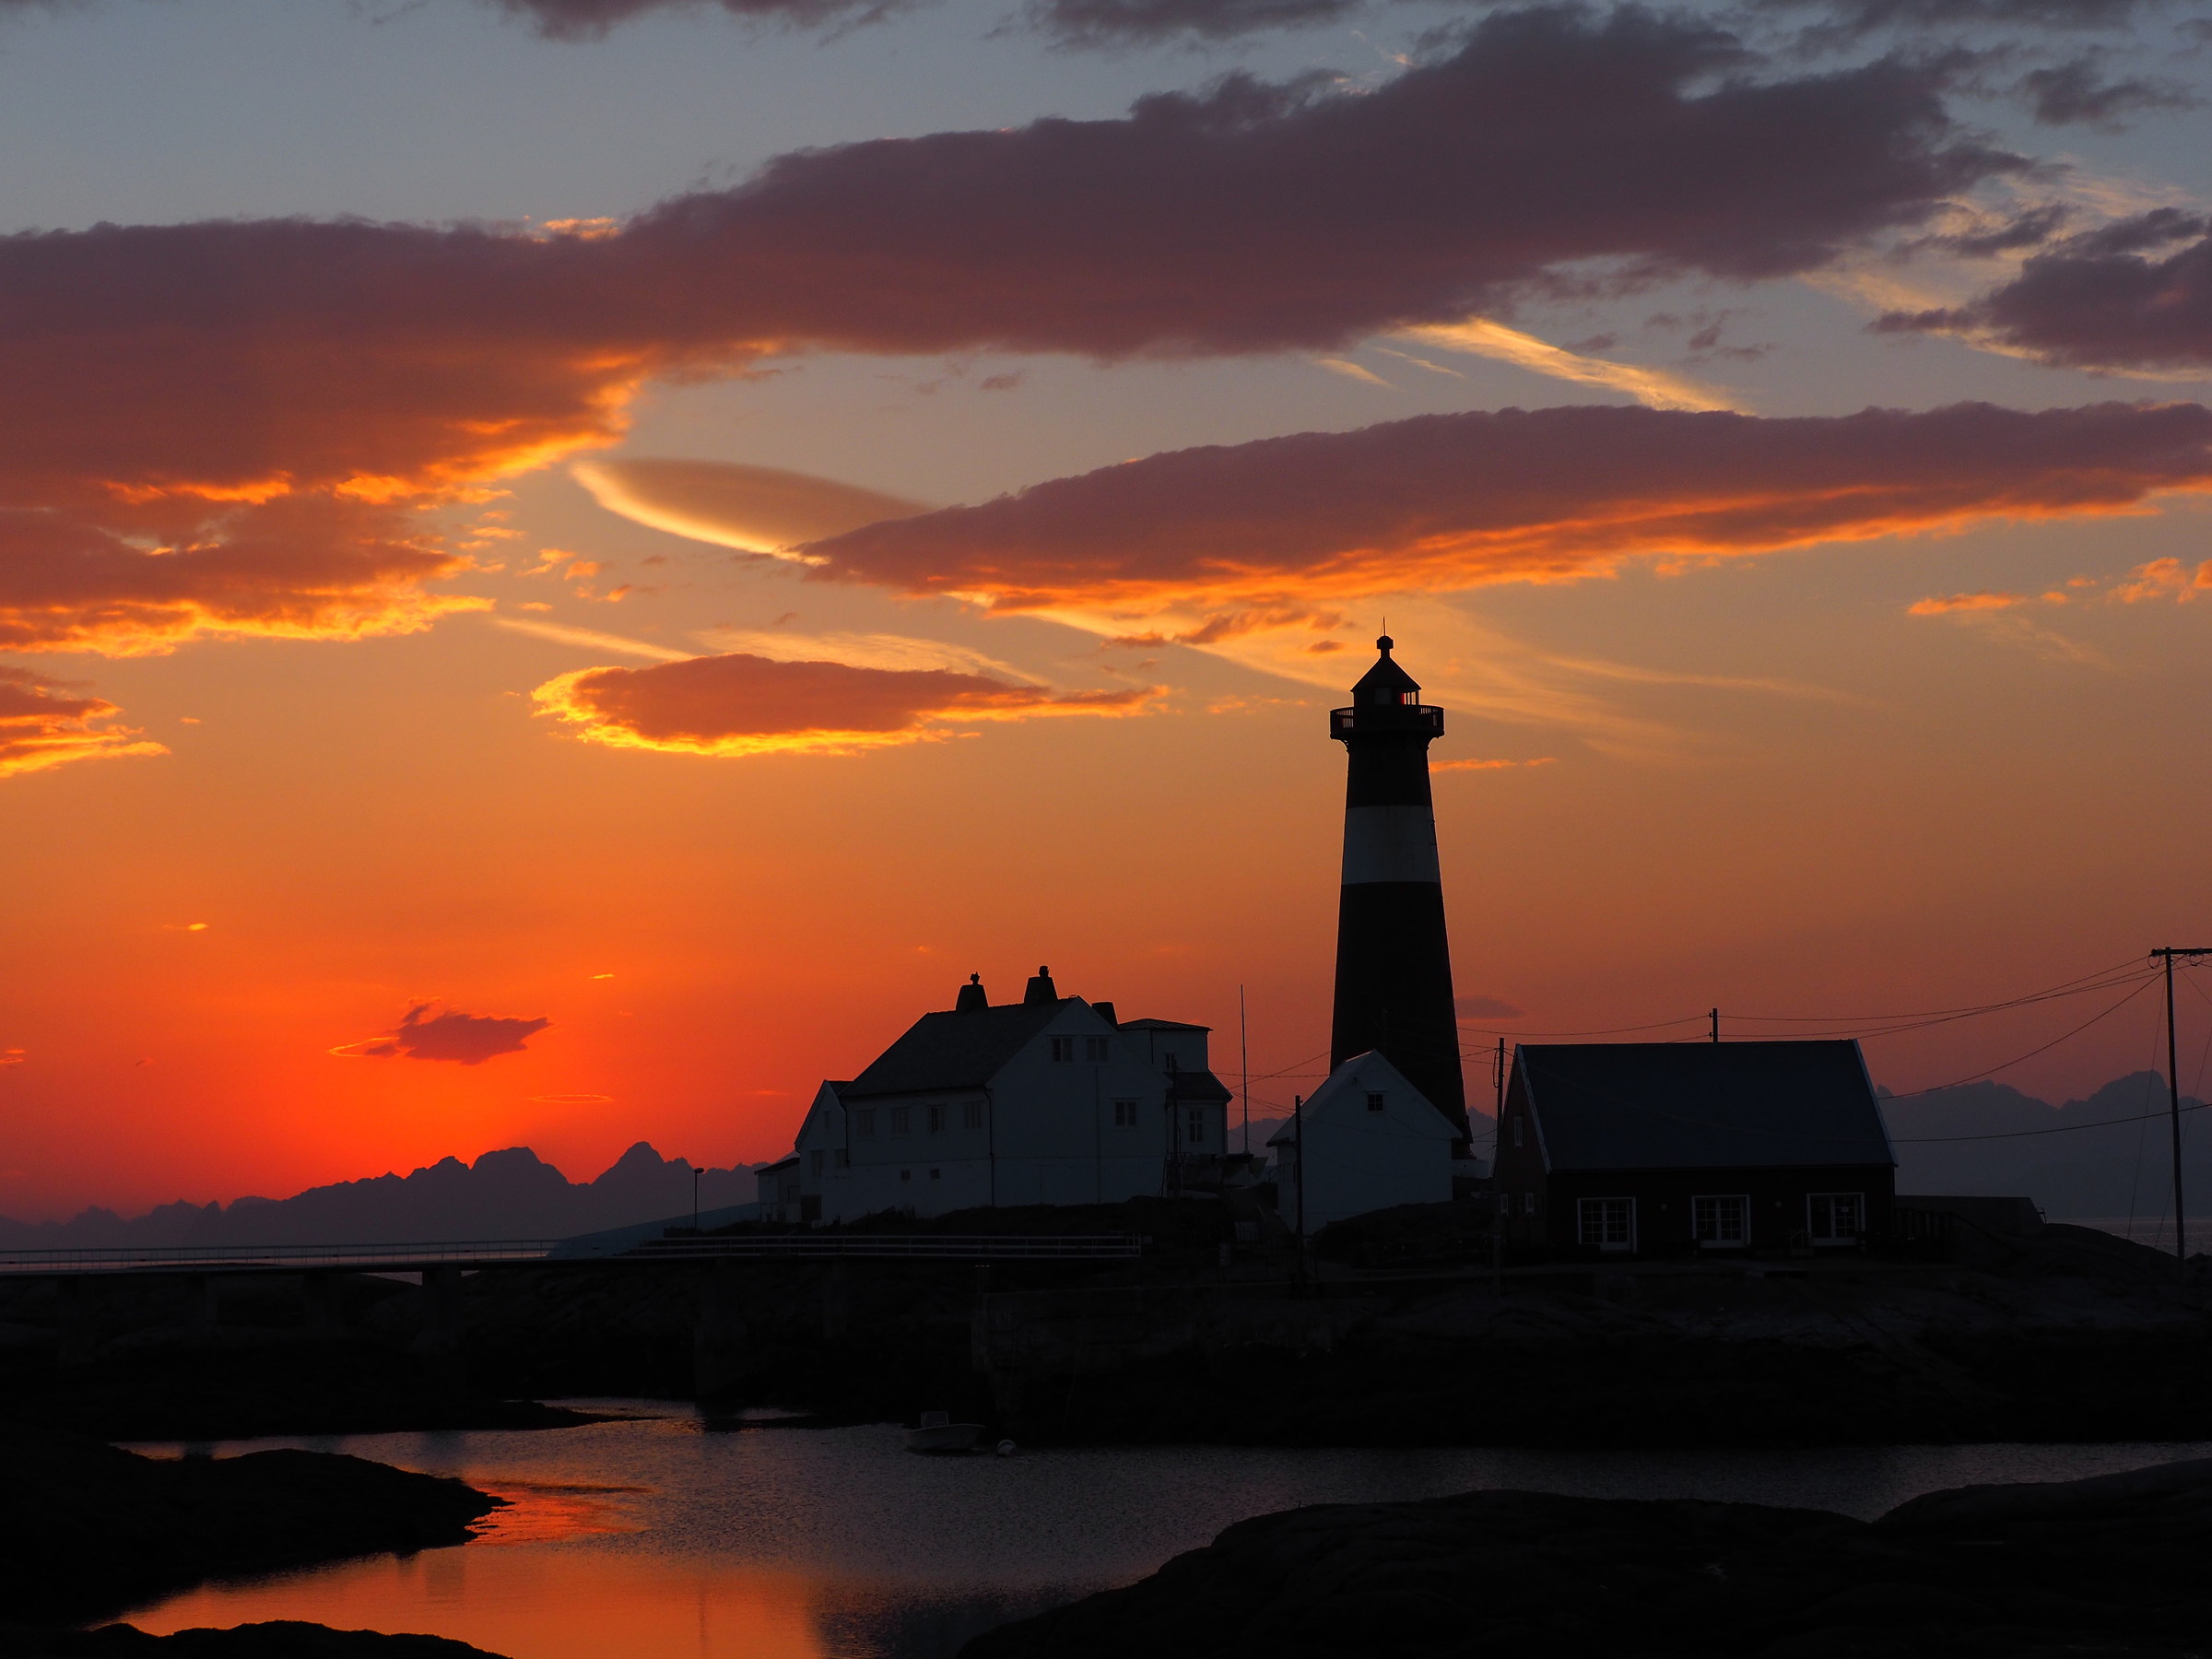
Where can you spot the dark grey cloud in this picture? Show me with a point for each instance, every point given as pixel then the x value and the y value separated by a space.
pixel 2075 93
pixel 2110 298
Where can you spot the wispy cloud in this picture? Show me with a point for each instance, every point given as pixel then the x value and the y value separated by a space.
pixel 1654 388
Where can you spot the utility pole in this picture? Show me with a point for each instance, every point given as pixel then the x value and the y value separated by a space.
pixel 1298 1140
pixel 2173 1095
pixel 1498 1193
pixel 695 1175
pixel 1244 1055
pixel 1716 1025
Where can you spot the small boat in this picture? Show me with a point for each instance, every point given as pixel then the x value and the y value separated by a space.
pixel 938 1432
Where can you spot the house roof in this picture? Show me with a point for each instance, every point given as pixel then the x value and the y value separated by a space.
pixel 1700 1105
pixel 1161 1025
pixel 952 1050
pixel 1362 1071
pixel 1197 1087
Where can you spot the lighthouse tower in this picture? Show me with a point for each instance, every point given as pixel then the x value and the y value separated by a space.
pixel 1394 962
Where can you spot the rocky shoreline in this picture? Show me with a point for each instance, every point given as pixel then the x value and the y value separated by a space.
pixel 87 1530
pixel 2090 1570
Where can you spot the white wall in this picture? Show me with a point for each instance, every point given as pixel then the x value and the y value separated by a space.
pixel 1359 1160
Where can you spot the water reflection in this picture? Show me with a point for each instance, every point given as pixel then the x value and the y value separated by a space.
pixel 656 1538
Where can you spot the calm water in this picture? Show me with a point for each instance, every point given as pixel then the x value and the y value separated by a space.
pixel 660 1539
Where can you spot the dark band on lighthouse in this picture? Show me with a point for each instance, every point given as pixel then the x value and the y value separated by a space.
pixel 1394 958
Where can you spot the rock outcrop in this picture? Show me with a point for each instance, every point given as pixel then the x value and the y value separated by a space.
pixel 87 1530
pixel 2113 1566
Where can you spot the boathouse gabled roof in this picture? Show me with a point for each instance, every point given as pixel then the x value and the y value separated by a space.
pixel 1699 1105
pixel 954 1049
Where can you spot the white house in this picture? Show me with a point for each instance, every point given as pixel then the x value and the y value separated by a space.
pixel 1367 1139
pixel 1047 1100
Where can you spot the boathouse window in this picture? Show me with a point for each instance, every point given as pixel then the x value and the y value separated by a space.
pixel 1608 1223
pixel 901 1120
pixel 937 1120
pixel 1125 1114
pixel 972 1114
pixel 867 1124
pixel 1836 1218
pixel 1094 1050
pixel 1374 1103
pixel 1064 1048
pixel 1721 1222
pixel 1197 1125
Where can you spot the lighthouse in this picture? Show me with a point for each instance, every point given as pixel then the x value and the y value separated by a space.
pixel 1394 961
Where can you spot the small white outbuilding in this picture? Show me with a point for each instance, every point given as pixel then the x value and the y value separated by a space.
pixel 1367 1139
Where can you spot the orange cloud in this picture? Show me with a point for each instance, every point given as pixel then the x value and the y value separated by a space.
pixel 1449 766
pixel 1452 501
pixel 42 724
pixel 740 704
pixel 466 1038
pixel 2161 579
pixel 144 576
pixel 1951 604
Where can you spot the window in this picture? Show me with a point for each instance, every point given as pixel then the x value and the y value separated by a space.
pixel 867 1124
pixel 1374 1103
pixel 1094 1050
pixel 1197 1118
pixel 1064 1048
pixel 906 1174
pixel 1168 1060
pixel 1125 1114
pixel 1528 1203
pixel 815 1160
pixel 1608 1223
pixel 972 1114
pixel 898 1119
pixel 1836 1218
pixel 1721 1223
pixel 936 1174
pixel 1516 1129
pixel 844 1157
pixel 935 1119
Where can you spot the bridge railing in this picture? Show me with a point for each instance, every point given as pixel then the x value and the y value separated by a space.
pixel 494 1253
pixel 971 1247
pixel 158 1258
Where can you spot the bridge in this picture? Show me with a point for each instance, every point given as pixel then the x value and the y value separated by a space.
pixel 557 1252
pixel 441 1265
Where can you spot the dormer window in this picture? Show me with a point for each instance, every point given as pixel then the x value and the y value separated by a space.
pixel 1064 1048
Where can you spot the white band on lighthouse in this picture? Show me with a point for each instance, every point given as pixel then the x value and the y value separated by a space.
pixel 1388 844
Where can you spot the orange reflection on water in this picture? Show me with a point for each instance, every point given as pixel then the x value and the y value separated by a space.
pixel 534 1603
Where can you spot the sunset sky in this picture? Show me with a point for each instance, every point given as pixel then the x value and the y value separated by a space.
pixel 567 567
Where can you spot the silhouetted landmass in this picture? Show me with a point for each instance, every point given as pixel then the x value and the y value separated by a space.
pixel 89 1529
pixel 287 1389
pixel 279 1639
pixel 2097 1568
pixel 507 1194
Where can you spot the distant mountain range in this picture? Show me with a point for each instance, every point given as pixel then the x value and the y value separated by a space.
pixel 2122 1168
pixel 507 1194
pixel 2125 1169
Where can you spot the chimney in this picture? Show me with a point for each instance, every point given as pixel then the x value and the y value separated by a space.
pixel 1105 1012
pixel 1041 988
pixel 972 1000
pixel 1394 960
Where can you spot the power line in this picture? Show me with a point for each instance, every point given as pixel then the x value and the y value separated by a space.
pixel 2149 981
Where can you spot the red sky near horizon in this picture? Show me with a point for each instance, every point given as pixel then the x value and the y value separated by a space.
pixel 567 570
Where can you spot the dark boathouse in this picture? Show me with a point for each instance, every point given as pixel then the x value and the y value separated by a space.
pixel 1685 1148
